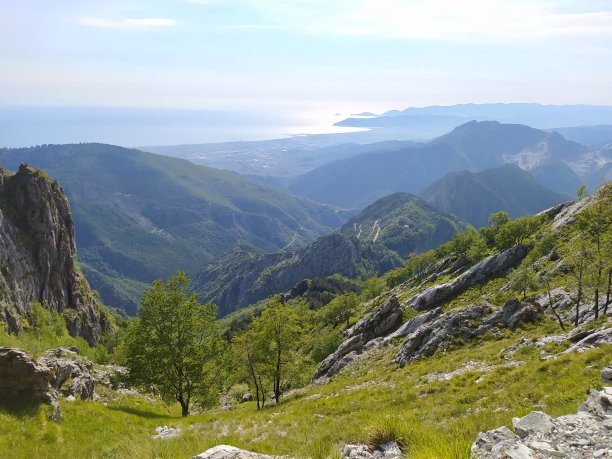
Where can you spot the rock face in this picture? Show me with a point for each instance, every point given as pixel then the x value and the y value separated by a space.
pixel 464 324
pixel 537 435
pixel 37 256
pixel 67 366
pixel 22 379
pixel 385 319
pixel 491 266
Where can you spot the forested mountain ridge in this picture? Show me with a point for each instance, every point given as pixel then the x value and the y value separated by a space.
pixel 371 243
pixel 140 216
pixel 473 197
pixel 404 224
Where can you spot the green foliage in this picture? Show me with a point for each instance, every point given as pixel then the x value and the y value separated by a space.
pixel 45 330
pixel 523 279
pixel 266 354
pixel 340 310
pixel 372 288
pixel 516 231
pixel 469 245
pixel 174 344
pixel 581 192
pixel 325 342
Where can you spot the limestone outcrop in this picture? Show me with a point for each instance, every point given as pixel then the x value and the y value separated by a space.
pixel 68 366
pixel 464 323
pixel 491 266
pixel 24 380
pixel 384 320
pixel 37 256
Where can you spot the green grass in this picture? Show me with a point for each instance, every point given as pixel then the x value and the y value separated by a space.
pixel 368 402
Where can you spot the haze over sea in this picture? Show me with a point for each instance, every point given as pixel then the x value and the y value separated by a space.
pixel 132 127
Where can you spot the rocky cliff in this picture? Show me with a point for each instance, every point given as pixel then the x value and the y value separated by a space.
pixel 37 256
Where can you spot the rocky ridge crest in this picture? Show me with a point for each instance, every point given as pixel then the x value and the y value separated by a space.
pixel 38 256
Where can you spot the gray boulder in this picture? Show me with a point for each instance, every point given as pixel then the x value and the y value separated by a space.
pixel 491 266
pixel 229 452
pixel 606 375
pixel 22 379
pixel 67 365
pixel 389 450
pixel 537 435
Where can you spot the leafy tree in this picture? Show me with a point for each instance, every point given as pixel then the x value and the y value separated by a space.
pixel 577 257
pixel 340 309
pixel 277 330
pixel 581 192
pixel 595 223
pixel 174 344
pixel 523 279
pixel 250 360
pixel 266 352
pixel 373 287
pixel 499 218
pixel 547 268
pixel 516 231
pixel 469 245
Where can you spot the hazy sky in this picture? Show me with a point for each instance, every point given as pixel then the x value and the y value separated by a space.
pixel 335 55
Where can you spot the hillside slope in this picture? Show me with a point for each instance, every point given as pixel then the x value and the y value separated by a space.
pixel 474 146
pixel 38 257
pixel 473 197
pixel 403 223
pixel 451 351
pixel 141 216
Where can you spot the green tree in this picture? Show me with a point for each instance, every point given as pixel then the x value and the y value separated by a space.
pixel 340 309
pixel 523 279
pixel 595 223
pixel 278 328
pixel 547 268
pixel 499 218
pixel 250 360
pixel 174 344
pixel 373 287
pixel 581 192
pixel 516 231
pixel 577 257
pixel 469 245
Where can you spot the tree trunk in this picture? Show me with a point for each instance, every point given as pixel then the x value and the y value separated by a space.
pixel 578 306
pixel 184 407
pixel 552 308
pixel 596 306
pixel 277 376
pixel 608 292
pixel 263 394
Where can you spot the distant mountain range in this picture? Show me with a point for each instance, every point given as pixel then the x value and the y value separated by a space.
pixel 536 115
pixel 141 216
pixel 473 197
pixel 474 146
